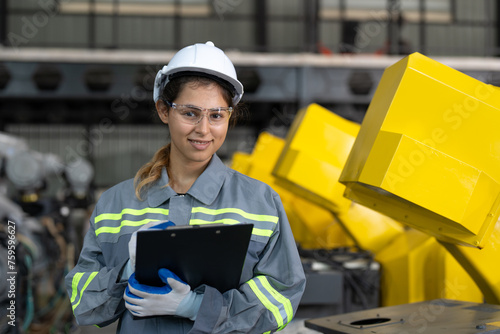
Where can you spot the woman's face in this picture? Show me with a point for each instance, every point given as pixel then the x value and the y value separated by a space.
pixel 194 144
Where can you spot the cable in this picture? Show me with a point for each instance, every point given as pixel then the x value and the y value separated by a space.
pixel 30 304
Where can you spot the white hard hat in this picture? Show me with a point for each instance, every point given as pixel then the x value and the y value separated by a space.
pixel 199 58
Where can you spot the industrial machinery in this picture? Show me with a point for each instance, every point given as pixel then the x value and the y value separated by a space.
pixel 39 236
pixel 428 155
pixel 305 169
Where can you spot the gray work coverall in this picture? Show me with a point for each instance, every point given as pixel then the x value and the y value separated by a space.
pixel 272 281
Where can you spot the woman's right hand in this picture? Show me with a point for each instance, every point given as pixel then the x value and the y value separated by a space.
pixel 132 244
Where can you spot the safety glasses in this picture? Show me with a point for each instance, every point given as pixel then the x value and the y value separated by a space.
pixel 193 115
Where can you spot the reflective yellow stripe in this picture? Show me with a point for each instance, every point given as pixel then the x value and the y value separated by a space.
pixel 118 216
pixel 279 297
pixel 270 306
pixel 261 232
pixel 273 219
pixel 116 229
pixel 227 221
pixel 75 286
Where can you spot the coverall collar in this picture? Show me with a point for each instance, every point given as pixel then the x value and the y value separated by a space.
pixel 205 189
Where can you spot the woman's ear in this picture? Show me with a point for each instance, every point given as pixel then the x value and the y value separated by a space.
pixel 162 110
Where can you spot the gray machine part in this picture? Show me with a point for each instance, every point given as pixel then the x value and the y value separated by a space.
pixel 24 170
pixel 353 286
pixel 429 317
pixel 80 174
pixel 28 169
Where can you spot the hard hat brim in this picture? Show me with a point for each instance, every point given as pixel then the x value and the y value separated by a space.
pixel 235 86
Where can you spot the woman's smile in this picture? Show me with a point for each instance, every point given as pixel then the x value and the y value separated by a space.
pixel 200 144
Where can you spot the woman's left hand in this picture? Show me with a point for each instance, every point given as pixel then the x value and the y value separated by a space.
pixel 144 300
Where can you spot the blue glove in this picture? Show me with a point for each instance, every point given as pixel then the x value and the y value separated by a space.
pixel 174 298
pixel 132 244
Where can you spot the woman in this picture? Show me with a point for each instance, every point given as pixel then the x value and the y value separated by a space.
pixel 196 95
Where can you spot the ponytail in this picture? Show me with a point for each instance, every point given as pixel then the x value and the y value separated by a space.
pixel 151 171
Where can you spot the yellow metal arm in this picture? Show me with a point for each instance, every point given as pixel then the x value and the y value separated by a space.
pixel 428 155
pixel 482 264
pixel 310 164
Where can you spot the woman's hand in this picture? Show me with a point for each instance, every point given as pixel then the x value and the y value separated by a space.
pixel 144 300
pixel 132 244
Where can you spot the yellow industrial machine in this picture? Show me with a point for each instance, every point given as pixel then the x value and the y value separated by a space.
pixel 317 146
pixel 306 167
pixel 310 165
pixel 315 133
pixel 313 226
pixel 428 155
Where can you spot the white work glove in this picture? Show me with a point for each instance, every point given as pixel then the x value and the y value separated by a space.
pixel 132 244
pixel 174 298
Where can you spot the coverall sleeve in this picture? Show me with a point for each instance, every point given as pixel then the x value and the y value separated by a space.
pixel 267 302
pixel 95 289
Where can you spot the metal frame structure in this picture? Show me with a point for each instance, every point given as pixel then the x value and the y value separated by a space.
pixel 309 18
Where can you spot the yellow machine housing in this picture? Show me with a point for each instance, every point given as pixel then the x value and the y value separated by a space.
pixel 428 152
pixel 416 267
pixel 317 146
pixel 312 225
pixel 316 149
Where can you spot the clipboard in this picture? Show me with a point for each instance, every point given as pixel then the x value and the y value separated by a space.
pixel 199 254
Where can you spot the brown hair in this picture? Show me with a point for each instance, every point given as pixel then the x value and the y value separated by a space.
pixel 151 171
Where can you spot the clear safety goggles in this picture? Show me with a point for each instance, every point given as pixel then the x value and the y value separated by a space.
pixel 193 115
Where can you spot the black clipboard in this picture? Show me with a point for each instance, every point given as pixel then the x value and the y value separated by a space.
pixel 199 254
